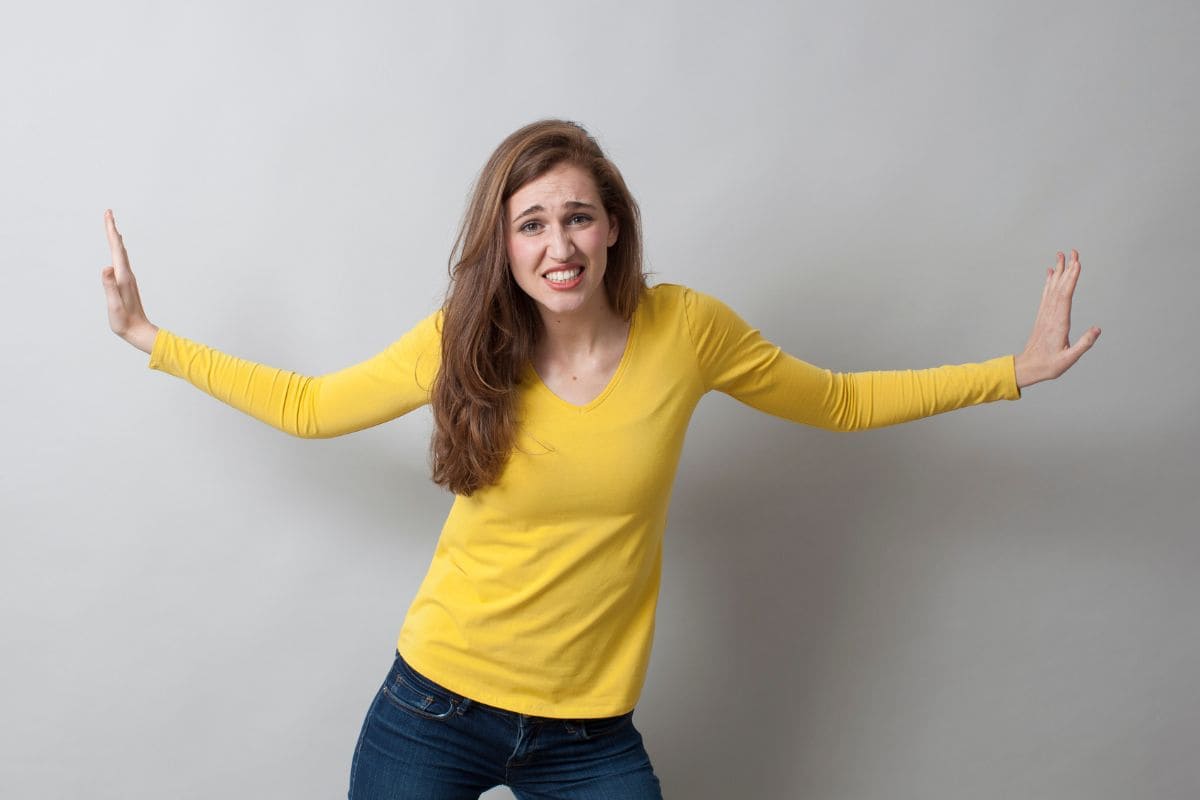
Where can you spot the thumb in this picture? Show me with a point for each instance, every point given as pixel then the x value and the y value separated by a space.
pixel 1083 344
pixel 112 294
pixel 1088 339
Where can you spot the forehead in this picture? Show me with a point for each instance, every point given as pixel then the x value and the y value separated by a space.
pixel 560 185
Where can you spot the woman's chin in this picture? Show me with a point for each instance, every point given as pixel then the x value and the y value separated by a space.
pixel 564 304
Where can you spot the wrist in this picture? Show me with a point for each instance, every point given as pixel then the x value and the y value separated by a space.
pixel 143 336
pixel 1024 372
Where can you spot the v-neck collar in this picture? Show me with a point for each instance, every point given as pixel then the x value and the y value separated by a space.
pixel 630 338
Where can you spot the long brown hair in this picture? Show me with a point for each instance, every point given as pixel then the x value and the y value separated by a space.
pixel 489 324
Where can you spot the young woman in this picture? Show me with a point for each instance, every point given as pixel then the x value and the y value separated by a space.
pixel 561 387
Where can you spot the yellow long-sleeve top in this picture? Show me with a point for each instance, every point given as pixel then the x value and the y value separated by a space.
pixel 541 594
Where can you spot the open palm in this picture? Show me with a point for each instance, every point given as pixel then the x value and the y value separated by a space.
pixel 125 314
pixel 1049 352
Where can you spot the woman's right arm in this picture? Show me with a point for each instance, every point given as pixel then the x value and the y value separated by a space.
pixel 381 388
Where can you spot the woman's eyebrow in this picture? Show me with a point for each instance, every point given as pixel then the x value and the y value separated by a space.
pixel 569 204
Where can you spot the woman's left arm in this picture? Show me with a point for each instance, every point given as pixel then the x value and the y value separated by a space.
pixel 1049 352
pixel 734 358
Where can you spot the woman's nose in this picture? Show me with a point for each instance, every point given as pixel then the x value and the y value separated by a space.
pixel 561 246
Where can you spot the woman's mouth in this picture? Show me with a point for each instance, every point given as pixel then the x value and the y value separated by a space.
pixel 563 279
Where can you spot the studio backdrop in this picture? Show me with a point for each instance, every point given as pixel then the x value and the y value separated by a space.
pixel 997 602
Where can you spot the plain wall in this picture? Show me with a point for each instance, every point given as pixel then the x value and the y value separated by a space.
pixel 993 603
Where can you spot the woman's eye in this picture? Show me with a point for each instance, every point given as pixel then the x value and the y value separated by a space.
pixel 533 226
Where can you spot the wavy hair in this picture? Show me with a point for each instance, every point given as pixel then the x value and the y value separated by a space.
pixel 490 325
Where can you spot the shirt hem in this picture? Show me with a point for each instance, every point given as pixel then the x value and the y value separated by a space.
pixel 551 711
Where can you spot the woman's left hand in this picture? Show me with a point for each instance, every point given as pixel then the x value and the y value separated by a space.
pixel 1049 352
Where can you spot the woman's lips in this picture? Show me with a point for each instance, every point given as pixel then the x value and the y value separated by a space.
pixel 564 285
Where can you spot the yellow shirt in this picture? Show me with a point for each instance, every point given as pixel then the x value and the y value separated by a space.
pixel 541 594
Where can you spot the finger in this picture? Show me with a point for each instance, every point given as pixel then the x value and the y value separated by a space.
pixel 1072 276
pixel 1064 287
pixel 1055 273
pixel 117 245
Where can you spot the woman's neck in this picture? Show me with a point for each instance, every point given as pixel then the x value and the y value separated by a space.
pixel 580 334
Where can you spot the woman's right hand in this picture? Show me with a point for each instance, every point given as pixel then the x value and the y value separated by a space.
pixel 125 314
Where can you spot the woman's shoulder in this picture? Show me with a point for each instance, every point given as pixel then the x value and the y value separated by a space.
pixel 666 298
pixel 422 341
pixel 662 302
pixel 666 295
pixel 666 290
pixel 429 328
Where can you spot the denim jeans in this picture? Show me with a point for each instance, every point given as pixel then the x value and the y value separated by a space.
pixel 420 741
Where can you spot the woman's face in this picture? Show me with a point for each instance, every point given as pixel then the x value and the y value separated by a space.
pixel 558 235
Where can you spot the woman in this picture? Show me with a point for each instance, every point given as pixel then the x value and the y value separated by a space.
pixel 561 387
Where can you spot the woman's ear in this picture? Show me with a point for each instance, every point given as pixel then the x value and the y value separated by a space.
pixel 613 230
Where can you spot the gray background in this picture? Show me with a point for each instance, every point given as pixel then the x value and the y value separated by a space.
pixel 995 603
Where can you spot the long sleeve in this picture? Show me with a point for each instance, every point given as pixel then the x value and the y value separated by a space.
pixel 735 359
pixel 384 387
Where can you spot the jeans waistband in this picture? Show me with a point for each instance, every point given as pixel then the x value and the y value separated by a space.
pixel 463 701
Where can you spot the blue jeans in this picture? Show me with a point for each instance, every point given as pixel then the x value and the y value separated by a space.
pixel 421 741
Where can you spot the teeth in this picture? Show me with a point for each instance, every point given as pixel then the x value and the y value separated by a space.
pixel 564 275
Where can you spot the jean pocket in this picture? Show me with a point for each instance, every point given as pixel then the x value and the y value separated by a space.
pixel 601 726
pixel 408 692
